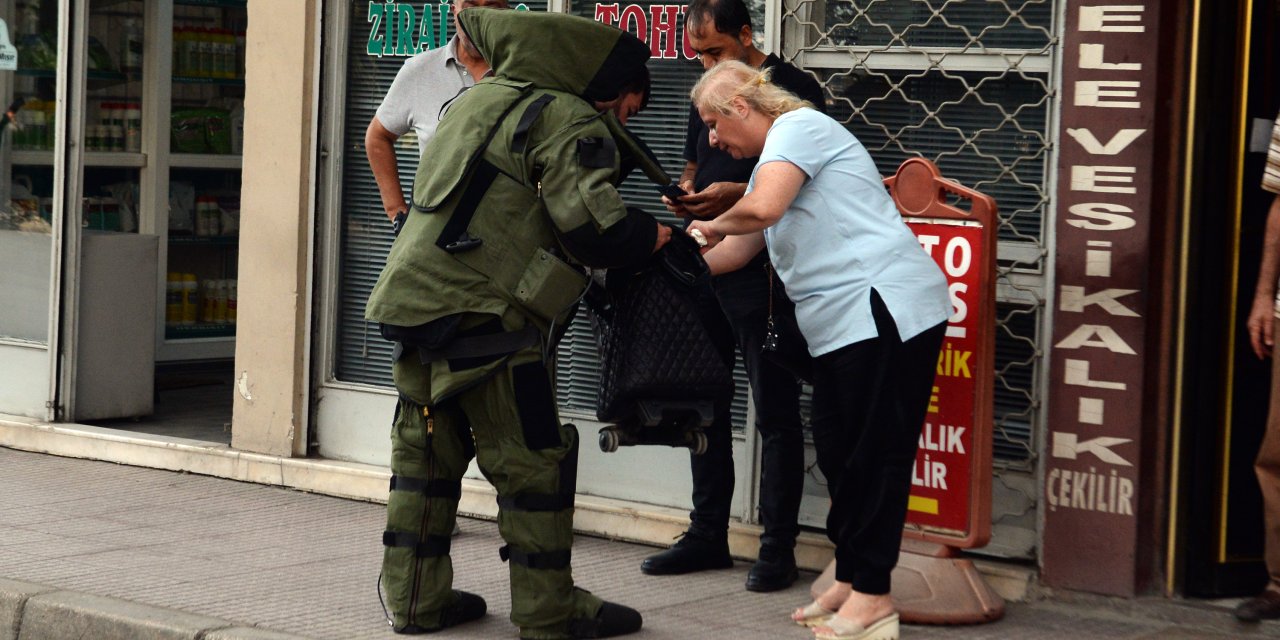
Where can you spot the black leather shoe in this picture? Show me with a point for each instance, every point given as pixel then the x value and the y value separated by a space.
pixel 689 554
pixel 1264 606
pixel 612 620
pixel 465 608
pixel 774 571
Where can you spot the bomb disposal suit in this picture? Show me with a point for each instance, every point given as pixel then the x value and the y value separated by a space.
pixel 515 191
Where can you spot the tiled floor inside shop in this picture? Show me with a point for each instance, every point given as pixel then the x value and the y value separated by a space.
pixel 192 401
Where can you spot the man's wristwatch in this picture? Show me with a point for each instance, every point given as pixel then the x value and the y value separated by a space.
pixel 397 223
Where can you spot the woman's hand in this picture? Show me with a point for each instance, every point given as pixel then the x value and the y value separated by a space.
pixel 734 253
pixel 704 232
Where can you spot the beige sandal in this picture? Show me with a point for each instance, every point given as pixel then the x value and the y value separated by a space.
pixel 838 628
pixel 812 615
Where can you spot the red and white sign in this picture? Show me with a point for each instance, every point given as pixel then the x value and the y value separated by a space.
pixel 950 502
pixel 941 480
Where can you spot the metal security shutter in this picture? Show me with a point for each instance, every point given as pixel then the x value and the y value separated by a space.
pixel 662 126
pixel 361 354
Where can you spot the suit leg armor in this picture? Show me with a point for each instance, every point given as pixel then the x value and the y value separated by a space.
pixel 430 450
pixel 531 459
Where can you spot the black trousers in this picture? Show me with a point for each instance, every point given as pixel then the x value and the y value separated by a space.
pixel 742 310
pixel 869 404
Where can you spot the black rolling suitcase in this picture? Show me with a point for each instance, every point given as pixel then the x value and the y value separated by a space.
pixel 661 374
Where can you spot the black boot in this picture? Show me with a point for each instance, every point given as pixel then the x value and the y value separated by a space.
pixel 465 608
pixel 693 552
pixel 775 570
pixel 612 620
pixel 1264 606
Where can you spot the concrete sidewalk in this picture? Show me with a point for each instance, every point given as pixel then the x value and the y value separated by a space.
pixel 99 550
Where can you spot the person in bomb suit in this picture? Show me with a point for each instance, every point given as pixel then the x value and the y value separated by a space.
pixel 482 278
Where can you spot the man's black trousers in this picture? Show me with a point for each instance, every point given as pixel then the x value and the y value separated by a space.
pixel 743 297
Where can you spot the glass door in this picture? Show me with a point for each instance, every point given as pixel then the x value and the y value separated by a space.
pixel 34 162
pixel 108 284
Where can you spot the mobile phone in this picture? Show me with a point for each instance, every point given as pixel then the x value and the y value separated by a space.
pixel 672 191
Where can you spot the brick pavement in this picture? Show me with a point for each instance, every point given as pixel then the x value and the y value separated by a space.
pixel 307 565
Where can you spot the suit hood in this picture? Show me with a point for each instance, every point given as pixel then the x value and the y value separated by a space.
pixel 555 50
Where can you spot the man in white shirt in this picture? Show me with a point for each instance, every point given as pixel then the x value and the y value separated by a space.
pixel 422 88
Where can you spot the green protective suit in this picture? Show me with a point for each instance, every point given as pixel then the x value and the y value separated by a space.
pixel 514 193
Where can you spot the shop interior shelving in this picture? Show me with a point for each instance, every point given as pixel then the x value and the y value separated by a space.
pixel 155 168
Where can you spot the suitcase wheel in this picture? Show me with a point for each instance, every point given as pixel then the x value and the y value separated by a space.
pixel 699 445
pixel 609 439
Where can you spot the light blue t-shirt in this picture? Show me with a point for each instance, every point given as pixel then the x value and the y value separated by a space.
pixel 842 237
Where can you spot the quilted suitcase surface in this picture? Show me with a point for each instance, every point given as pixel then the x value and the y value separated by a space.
pixel 659 366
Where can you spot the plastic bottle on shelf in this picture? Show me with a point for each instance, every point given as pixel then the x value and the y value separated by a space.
pixel 176 66
pixel 30 134
pixel 229 53
pixel 190 293
pixel 221 301
pixel 219 54
pixel 208 215
pixel 231 302
pixel 205 57
pixel 190 67
pixel 115 133
pixel 182 51
pixel 173 299
pixel 114 113
pixel 41 134
pixel 208 300
pixel 239 71
pixel 20 138
pixel 47 143
pixel 133 127
pixel 236 122
pixel 213 215
pixel 197 218
pixel 201 225
pixel 131 46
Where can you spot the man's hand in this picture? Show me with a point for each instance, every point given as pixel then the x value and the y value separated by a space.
pixel 714 200
pixel 676 207
pixel 379 146
pixel 1261 322
pixel 664 236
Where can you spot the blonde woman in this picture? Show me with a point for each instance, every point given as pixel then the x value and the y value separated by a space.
pixel 871 304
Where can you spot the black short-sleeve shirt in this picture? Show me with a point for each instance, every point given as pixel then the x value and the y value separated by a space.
pixel 715 165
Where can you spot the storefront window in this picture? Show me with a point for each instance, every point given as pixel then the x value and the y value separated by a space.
pixel 26 187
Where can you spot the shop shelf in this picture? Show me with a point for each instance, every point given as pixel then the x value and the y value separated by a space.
pixel 230 82
pixel 191 331
pixel 97 79
pixel 228 4
pixel 217 241
pixel 204 161
pixel 91 158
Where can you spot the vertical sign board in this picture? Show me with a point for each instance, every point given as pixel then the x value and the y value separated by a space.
pixel 1095 410
pixel 950 501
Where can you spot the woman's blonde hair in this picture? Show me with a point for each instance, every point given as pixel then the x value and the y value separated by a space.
pixel 731 79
